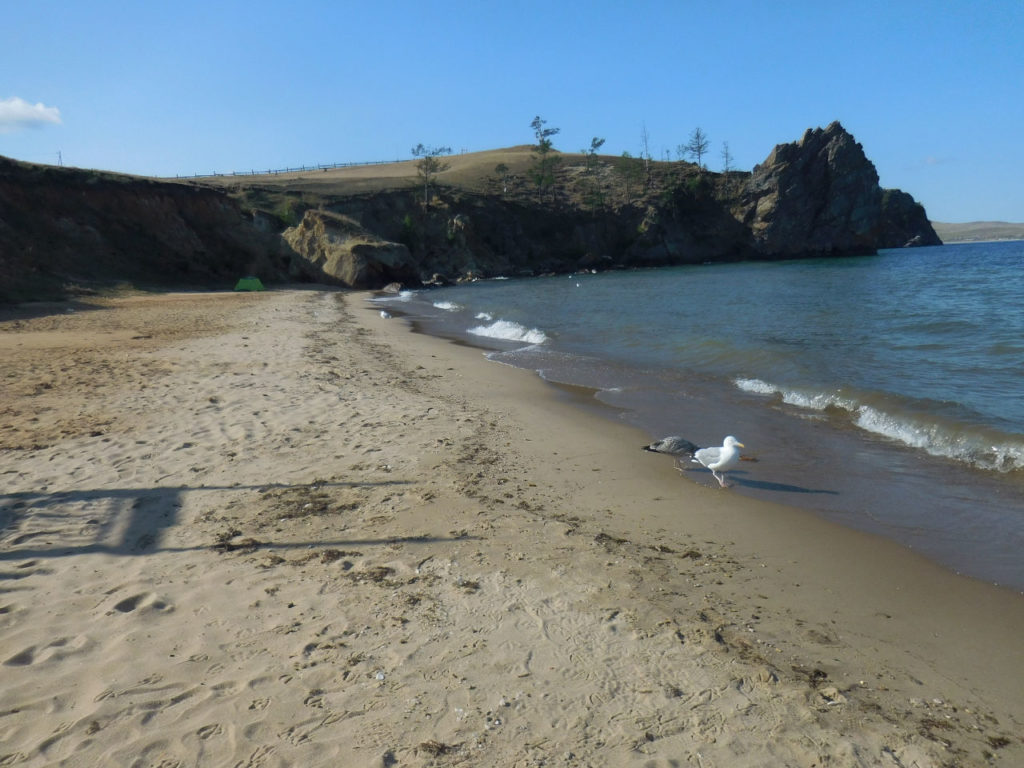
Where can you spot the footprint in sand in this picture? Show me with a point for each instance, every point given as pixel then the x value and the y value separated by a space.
pixel 143 601
pixel 22 659
pixel 29 536
pixel 214 729
pixel 57 649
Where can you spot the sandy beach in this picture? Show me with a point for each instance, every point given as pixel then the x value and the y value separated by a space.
pixel 277 529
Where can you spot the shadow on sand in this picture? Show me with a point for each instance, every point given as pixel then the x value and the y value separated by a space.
pixel 149 511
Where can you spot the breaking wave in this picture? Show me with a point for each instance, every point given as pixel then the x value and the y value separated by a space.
pixel 979 446
pixel 507 330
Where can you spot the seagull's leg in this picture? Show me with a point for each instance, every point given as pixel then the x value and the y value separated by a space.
pixel 720 479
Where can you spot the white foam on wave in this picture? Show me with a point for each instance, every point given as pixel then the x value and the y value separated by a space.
pixel 400 296
pixel 756 386
pixel 816 401
pixel 979 447
pixel 903 430
pixel 509 331
pixel 448 306
pixel 485 316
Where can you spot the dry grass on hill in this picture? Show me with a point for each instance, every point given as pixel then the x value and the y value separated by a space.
pixel 978 231
pixel 576 185
pixel 470 172
pixel 473 171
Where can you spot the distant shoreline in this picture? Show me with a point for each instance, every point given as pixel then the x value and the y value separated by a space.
pixel 985 240
pixel 978 231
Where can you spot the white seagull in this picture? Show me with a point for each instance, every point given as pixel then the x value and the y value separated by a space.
pixel 717 459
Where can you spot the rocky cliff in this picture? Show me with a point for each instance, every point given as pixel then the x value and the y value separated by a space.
pixel 818 196
pixel 61 227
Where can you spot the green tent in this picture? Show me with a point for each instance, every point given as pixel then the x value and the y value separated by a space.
pixel 249 283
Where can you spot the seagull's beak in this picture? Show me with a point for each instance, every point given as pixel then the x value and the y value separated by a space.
pixel 741 445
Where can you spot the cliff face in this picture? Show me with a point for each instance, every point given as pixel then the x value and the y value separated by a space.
pixel 466 235
pixel 820 196
pixel 693 225
pixel 63 225
pixel 904 222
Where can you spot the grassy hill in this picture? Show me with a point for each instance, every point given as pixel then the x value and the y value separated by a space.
pixel 472 172
pixel 978 231
pixel 287 194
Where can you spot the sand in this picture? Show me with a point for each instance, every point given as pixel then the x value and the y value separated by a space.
pixel 278 530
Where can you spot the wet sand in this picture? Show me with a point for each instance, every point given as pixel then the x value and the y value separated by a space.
pixel 276 529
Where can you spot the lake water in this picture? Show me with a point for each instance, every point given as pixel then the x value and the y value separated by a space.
pixel 885 392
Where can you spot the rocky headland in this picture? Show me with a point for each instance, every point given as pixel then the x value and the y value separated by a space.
pixel 820 196
pixel 64 230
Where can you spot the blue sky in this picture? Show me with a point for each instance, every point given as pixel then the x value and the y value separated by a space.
pixel 934 91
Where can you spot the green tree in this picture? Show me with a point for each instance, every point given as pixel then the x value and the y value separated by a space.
pixel 544 158
pixel 697 147
pixel 590 155
pixel 429 165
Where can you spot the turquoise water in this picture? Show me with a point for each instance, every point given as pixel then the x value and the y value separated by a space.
pixel 885 391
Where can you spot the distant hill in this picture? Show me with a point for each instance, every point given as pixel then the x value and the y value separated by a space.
pixel 978 231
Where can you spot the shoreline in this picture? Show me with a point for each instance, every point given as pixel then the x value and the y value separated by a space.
pixel 319 536
pixel 585 397
pixel 952 506
pixel 802 546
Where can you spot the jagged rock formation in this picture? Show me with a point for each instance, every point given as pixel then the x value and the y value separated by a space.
pixel 904 222
pixel 820 197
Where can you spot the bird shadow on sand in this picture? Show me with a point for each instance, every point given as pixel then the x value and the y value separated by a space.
pixel 763 485
pixel 739 479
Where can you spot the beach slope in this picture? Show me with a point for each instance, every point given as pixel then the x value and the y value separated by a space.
pixel 277 529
